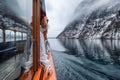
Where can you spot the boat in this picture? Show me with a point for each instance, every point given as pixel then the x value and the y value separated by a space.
pixel 21 27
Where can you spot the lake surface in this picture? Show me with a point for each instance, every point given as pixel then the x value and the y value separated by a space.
pixel 86 59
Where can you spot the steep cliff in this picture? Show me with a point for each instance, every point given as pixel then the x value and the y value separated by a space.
pixel 94 19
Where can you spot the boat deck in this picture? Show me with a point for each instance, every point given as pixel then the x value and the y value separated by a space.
pixel 10 68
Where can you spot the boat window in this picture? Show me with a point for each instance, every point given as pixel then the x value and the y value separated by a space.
pixel 24 36
pixel 18 36
pixel 1 36
pixel 9 35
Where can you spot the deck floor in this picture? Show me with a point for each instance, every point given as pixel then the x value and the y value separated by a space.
pixel 10 68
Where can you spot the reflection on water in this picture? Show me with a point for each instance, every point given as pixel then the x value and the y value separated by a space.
pixel 87 59
pixel 105 51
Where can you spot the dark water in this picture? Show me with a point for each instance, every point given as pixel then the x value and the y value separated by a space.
pixel 86 59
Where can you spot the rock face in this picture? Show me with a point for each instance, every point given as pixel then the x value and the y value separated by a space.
pixel 95 19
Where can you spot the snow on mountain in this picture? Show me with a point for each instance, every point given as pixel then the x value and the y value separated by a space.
pixel 94 19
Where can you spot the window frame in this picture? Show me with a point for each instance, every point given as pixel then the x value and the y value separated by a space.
pixel 18 37
pixel 24 36
pixel 11 35
pixel 1 33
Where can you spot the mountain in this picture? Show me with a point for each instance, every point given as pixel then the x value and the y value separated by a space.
pixel 94 19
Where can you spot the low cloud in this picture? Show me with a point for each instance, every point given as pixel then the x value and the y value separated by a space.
pixel 59 13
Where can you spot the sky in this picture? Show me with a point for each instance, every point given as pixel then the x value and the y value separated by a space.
pixel 59 13
pixel 26 7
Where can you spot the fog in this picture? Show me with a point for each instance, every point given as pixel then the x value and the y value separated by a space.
pixel 88 6
pixel 60 13
pixel 26 8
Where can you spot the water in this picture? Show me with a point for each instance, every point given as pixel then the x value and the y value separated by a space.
pixel 86 59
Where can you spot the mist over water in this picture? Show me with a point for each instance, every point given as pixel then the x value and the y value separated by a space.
pixel 86 59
